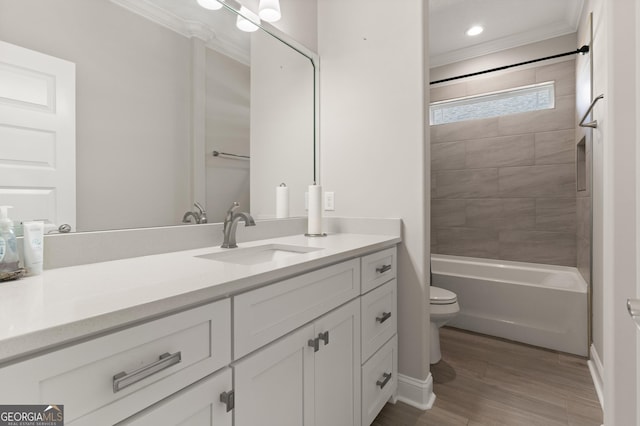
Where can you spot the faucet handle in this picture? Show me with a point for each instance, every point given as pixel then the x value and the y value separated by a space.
pixel 233 207
pixel 229 214
pixel 202 212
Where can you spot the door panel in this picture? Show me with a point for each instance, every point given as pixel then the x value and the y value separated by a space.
pixel 37 136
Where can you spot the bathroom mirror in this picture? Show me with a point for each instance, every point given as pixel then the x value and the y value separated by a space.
pixel 159 86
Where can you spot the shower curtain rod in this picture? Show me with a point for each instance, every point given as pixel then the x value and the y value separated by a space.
pixel 583 50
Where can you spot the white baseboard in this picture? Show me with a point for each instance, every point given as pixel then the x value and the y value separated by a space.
pixel 417 393
pixel 597 373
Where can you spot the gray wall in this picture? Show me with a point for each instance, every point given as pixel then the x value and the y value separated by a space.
pixel 504 187
pixel 282 125
pixel 227 127
pixel 373 152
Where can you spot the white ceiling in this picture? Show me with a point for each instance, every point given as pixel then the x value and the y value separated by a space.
pixel 507 24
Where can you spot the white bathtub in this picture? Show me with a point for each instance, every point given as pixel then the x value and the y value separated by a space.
pixel 542 305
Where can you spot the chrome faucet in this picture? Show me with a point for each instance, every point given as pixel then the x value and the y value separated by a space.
pixel 202 212
pixel 231 223
pixel 198 217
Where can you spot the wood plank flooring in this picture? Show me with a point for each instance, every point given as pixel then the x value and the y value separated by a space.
pixel 483 380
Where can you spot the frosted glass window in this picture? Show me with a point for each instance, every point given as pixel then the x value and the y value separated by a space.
pixel 522 99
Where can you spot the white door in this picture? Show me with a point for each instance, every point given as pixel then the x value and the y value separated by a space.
pixel 37 136
pixel 274 386
pixel 337 367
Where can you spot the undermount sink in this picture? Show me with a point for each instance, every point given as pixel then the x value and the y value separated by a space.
pixel 258 254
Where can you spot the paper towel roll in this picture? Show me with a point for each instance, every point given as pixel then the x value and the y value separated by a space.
pixel 282 201
pixel 314 225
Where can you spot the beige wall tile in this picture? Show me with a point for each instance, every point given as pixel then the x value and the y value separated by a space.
pixel 564 75
pixel 556 214
pixel 509 213
pixel 448 213
pixel 504 187
pixel 583 218
pixel 476 183
pixel 447 156
pixel 562 117
pixel 538 181
pixel 500 152
pixel 468 242
pixel 557 147
pixel 583 258
pixel 464 130
pixel 502 81
pixel 553 248
pixel 447 91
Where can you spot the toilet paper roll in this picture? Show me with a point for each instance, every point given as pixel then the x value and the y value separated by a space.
pixel 282 201
pixel 314 225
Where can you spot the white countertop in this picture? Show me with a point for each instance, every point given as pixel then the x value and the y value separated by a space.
pixel 69 304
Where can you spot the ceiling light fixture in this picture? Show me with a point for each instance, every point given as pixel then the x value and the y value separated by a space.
pixel 475 30
pixel 210 4
pixel 269 10
pixel 247 21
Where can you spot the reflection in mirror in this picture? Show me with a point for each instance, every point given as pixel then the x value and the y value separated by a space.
pixel 111 111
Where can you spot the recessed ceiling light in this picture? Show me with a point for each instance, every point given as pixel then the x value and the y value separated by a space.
pixel 475 30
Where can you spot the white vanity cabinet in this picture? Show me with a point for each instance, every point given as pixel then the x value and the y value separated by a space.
pixel 309 377
pixel 295 378
pixel 110 378
pixel 318 349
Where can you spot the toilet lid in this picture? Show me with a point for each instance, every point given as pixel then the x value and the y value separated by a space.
pixel 441 296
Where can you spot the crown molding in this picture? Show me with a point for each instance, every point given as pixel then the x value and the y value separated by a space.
pixel 189 29
pixel 555 30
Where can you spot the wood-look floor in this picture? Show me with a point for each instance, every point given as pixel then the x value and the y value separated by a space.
pixel 482 380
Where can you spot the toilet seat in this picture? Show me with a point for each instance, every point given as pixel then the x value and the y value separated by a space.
pixel 441 296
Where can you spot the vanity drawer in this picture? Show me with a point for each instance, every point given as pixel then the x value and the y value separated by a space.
pixel 379 380
pixel 262 315
pixel 379 317
pixel 198 404
pixel 378 268
pixel 109 378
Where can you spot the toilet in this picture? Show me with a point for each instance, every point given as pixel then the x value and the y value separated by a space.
pixel 444 307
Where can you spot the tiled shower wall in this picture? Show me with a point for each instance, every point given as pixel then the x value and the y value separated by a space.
pixel 505 187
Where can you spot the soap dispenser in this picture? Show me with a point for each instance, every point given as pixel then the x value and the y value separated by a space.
pixel 8 245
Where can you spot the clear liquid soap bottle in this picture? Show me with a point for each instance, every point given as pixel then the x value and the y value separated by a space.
pixel 9 260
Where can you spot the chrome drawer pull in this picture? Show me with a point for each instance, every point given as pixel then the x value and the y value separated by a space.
pixel 124 379
pixel 382 383
pixel 324 336
pixel 382 269
pixel 229 399
pixel 382 318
